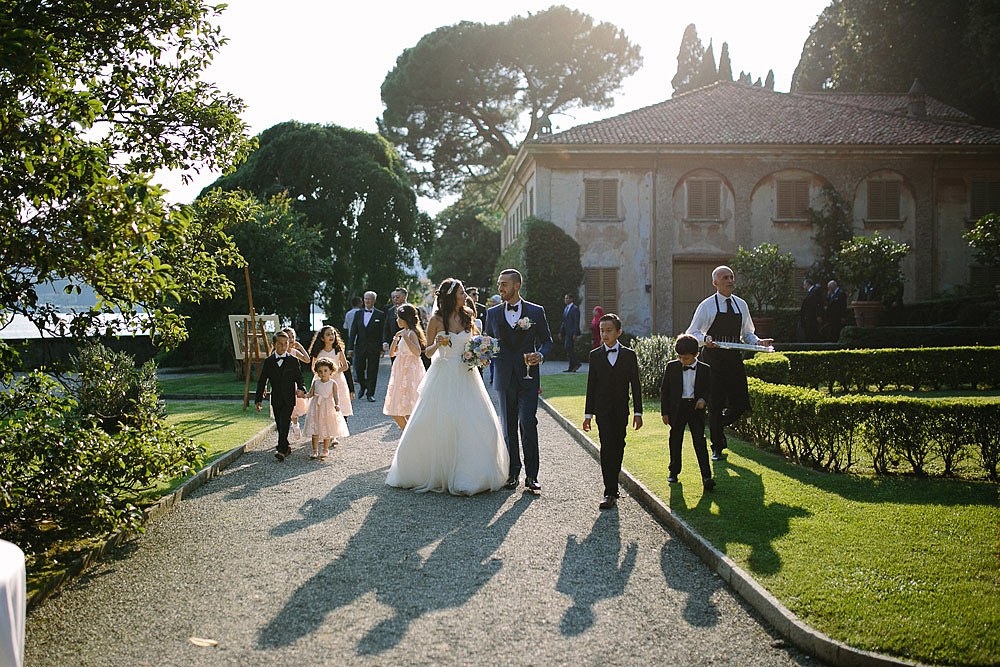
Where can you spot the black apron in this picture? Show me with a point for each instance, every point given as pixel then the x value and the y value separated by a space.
pixel 727 365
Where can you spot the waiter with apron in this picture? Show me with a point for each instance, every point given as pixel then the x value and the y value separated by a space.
pixel 724 317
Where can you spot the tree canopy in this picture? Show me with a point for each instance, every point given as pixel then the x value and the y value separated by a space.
pixel 466 96
pixel 883 45
pixel 467 249
pixel 91 103
pixel 351 186
pixel 689 58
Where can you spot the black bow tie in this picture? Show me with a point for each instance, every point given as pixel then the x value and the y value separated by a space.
pixel 515 307
pixel 613 350
pixel 689 368
pixel 368 311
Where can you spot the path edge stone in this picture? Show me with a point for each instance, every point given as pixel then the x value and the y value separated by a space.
pixel 89 557
pixel 784 621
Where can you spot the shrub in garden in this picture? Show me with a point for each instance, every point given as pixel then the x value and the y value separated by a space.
pixel 66 477
pixel 109 388
pixel 653 353
pixel 768 367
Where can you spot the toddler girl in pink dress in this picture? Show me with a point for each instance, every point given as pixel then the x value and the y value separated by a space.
pixel 407 369
pixel 324 420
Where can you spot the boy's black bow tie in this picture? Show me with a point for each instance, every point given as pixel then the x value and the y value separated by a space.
pixel 689 368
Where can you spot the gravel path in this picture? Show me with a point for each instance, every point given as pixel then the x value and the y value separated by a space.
pixel 308 563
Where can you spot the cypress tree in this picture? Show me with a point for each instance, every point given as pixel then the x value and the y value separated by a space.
pixel 725 67
pixel 689 59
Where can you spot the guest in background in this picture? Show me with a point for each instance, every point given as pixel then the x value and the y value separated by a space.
pixel 364 345
pixel 568 331
pixel 389 329
pixel 473 293
pixel 495 300
pixel 811 312
pixel 595 327
pixel 836 304
pixel 349 315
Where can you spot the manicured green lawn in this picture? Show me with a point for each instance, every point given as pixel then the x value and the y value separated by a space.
pixel 218 426
pixel 210 383
pixel 897 565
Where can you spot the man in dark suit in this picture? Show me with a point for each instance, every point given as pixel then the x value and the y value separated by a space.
pixel 684 394
pixel 811 312
pixel 285 375
pixel 568 331
pixel 523 333
pixel 614 369
pixel 473 293
pixel 364 345
pixel 836 304
pixel 390 327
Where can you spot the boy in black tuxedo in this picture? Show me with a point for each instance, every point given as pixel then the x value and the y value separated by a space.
pixel 613 369
pixel 684 395
pixel 285 374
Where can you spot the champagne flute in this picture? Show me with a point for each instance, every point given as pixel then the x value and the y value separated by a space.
pixel 527 366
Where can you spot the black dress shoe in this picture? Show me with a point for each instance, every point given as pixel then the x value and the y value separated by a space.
pixel 370 398
pixel 511 482
pixel 709 484
pixel 279 456
pixel 531 484
pixel 608 502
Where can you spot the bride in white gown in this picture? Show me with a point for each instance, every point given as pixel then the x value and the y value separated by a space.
pixel 453 442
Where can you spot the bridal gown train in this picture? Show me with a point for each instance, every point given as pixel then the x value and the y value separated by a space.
pixel 453 442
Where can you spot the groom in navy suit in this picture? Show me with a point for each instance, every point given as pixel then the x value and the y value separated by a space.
pixel 522 330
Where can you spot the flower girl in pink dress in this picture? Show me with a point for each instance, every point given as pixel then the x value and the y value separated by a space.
pixel 324 420
pixel 407 369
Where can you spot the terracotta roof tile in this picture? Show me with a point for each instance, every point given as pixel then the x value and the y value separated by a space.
pixel 893 102
pixel 734 113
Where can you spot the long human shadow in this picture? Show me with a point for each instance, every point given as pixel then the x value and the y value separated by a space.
pixel 591 571
pixel 699 610
pixel 740 493
pixel 903 489
pixel 418 553
pixel 245 478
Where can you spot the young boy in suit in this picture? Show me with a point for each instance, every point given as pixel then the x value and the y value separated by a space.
pixel 614 368
pixel 285 374
pixel 683 397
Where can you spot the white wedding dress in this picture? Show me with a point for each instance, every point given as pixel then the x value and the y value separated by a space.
pixel 453 442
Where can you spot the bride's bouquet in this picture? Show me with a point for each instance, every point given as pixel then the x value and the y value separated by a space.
pixel 479 350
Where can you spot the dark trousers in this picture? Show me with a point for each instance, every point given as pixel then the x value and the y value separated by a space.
pixel 366 368
pixel 518 406
pixel 282 419
pixel 611 431
pixel 687 416
pixel 729 393
pixel 570 351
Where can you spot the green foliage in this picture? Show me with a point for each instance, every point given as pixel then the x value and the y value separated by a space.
pixel 111 391
pixel 811 427
pixel 772 368
pixel 689 59
pixel 917 336
pixel 902 368
pixel 653 352
pixel 350 188
pixel 467 249
pixel 764 276
pixel 707 72
pixel 877 46
pixel 872 262
pixel 549 261
pixel 454 102
pixel 984 238
pixel 832 225
pixel 92 101
pixel 65 477
pixel 725 66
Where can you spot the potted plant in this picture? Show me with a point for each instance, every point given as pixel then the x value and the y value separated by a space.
pixel 871 264
pixel 765 280
pixel 984 238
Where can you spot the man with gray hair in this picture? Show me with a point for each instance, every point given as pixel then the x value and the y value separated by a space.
pixel 364 345
pixel 724 317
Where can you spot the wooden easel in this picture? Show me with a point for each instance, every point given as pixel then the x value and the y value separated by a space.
pixel 253 335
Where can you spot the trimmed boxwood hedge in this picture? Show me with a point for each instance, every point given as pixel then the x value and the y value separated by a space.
pixel 914 369
pixel 814 428
pixel 905 337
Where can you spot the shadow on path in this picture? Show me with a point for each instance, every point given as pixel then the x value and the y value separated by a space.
pixel 416 557
pixel 591 571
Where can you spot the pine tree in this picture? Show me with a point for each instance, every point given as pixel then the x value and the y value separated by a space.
pixel 769 81
pixel 707 73
pixel 725 67
pixel 689 59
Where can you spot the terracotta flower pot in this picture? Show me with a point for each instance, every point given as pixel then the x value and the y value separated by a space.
pixel 866 313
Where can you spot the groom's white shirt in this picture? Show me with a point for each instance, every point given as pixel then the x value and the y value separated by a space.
pixel 513 315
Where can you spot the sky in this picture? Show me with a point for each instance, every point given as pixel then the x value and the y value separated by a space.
pixel 323 61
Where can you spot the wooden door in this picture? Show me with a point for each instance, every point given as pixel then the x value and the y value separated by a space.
pixel 692 283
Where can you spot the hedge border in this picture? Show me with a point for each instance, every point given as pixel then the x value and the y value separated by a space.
pixel 51 584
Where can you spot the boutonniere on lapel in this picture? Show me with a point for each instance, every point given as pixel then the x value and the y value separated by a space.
pixel 525 323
